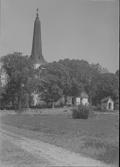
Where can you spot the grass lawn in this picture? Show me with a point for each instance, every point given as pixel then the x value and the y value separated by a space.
pixel 95 137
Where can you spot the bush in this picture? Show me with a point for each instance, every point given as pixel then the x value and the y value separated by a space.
pixel 42 104
pixel 96 108
pixel 59 105
pixel 99 108
pixel 49 105
pixel 81 112
pixel 93 108
pixel 68 104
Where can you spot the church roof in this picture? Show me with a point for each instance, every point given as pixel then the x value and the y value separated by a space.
pixel 38 60
pixel 83 95
pixel 36 53
pixel 105 100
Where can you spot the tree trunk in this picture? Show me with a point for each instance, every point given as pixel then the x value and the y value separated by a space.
pixel 53 104
pixel 19 101
pixel 13 105
pixel 65 100
pixel 90 98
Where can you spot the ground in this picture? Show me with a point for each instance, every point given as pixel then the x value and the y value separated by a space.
pixel 39 153
pixel 96 138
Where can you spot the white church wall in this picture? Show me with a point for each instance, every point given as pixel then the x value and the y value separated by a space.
pixel 77 100
pixel 85 101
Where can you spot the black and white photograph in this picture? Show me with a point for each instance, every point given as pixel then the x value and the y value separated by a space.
pixel 59 83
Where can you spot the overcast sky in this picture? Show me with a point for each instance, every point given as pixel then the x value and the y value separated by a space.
pixel 74 29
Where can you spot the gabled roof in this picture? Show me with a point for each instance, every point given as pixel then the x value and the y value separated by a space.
pixel 105 100
pixel 83 95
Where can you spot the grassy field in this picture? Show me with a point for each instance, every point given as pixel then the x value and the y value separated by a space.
pixel 95 137
pixel 11 154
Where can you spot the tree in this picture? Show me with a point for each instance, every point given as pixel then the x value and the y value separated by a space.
pixel 77 73
pixel 117 73
pixel 92 79
pixel 53 81
pixel 84 76
pixel 20 73
pixel 108 86
pixel 51 92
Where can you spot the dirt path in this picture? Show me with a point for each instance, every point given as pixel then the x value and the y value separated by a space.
pixel 55 156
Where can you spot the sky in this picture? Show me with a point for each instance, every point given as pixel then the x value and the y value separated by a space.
pixel 74 29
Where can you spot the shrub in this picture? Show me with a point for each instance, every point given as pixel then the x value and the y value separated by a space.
pixel 104 109
pixel 81 112
pixel 59 105
pixel 68 104
pixel 49 105
pixel 93 108
pixel 99 108
pixel 75 113
pixel 42 104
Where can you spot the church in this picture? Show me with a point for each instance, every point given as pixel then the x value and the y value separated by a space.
pixel 37 59
pixel 36 53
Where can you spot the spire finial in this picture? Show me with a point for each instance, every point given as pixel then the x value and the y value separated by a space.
pixel 37 11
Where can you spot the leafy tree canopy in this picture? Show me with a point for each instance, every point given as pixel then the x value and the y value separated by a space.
pixel 20 74
pixel 54 81
pixel 108 86
pixel 85 75
pixel 117 73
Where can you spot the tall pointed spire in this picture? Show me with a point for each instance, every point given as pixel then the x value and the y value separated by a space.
pixel 36 53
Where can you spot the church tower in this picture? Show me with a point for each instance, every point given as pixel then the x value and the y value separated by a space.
pixel 36 53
